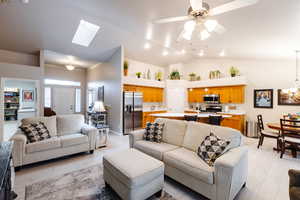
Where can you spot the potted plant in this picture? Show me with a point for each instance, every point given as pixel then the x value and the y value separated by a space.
pixel 175 75
pixel 138 74
pixel 125 68
pixel 192 76
pixel 159 76
pixel 198 78
pixel 218 74
pixel 233 71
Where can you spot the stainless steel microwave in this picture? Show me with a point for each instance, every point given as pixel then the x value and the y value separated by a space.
pixel 211 99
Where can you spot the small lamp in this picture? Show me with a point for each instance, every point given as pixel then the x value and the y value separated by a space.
pixel 99 106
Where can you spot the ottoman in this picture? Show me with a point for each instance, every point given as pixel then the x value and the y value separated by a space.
pixel 133 175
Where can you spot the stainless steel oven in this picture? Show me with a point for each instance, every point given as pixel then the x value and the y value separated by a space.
pixel 211 99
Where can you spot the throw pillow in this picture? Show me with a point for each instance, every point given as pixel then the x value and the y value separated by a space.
pixel 212 148
pixel 35 132
pixel 153 132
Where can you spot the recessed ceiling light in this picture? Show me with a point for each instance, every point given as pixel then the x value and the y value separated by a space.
pixel 70 67
pixel 222 53
pixel 165 53
pixel 85 33
pixel 147 45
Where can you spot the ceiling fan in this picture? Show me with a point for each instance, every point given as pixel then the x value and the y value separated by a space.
pixel 199 14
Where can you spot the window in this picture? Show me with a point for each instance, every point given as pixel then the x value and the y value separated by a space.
pixel 60 82
pixel 77 100
pixel 48 97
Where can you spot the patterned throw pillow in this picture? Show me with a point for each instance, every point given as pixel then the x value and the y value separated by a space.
pixel 153 132
pixel 211 148
pixel 35 132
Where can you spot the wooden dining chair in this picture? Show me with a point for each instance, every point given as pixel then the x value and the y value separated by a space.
pixel 264 133
pixel 290 131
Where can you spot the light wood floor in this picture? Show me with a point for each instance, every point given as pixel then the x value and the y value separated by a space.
pixel 268 178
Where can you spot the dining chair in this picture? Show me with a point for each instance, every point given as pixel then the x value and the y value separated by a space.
pixel 290 131
pixel 191 118
pixel 215 120
pixel 264 133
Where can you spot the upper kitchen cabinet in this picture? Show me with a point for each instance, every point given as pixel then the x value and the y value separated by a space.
pixel 150 94
pixel 228 94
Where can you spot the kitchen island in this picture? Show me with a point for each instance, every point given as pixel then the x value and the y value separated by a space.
pixel 181 115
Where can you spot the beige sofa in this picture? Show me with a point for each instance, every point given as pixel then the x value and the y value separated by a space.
pixel 69 135
pixel 178 151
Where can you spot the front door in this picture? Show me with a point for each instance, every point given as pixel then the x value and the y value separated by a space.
pixel 63 100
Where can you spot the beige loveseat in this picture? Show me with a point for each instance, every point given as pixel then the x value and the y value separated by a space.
pixel 69 135
pixel 178 151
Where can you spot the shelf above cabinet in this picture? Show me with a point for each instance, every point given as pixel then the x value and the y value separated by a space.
pixel 143 82
pixel 228 81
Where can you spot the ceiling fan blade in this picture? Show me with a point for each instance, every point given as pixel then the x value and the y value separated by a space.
pixel 231 6
pixel 172 19
pixel 196 4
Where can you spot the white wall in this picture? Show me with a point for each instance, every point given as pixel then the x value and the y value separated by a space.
pixel 61 73
pixel 109 74
pixel 137 66
pixel 261 74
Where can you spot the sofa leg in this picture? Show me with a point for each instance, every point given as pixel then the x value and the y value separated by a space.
pixel 91 151
pixel 159 193
pixel 18 169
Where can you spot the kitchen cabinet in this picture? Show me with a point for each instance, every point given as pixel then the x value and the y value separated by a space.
pixel 150 94
pixel 235 122
pixel 148 118
pixel 229 94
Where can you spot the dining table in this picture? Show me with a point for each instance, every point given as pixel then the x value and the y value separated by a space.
pixel 277 127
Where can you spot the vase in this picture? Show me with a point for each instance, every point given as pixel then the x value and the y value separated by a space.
pixel 125 72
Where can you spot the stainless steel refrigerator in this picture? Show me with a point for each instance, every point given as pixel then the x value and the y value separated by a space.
pixel 132 111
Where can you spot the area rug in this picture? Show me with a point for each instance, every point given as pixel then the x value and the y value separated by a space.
pixel 84 184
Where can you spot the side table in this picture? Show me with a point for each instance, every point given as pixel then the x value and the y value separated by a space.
pixel 102 136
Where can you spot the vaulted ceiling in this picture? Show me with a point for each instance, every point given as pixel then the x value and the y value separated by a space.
pixel 269 29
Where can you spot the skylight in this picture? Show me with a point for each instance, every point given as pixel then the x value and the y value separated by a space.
pixel 85 33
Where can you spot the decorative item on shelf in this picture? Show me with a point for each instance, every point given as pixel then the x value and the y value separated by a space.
pixel 214 74
pixel 263 98
pixel 234 71
pixel 175 75
pixel 138 74
pixel 198 78
pixel 148 74
pixel 126 65
pixel 144 75
pixel 192 76
pixel 289 97
pixel 158 76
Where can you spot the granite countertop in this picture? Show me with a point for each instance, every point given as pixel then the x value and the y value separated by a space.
pixel 155 110
pixel 231 112
pixel 200 115
pixel 5 154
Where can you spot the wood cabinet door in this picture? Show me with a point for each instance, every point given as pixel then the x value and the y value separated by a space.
pixel 225 95
pixel 237 94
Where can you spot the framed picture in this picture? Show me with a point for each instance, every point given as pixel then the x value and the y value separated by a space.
pixel 28 95
pixel 263 98
pixel 288 97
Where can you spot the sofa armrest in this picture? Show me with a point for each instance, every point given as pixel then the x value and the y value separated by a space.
pixel 18 152
pixel 91 132
pixel 135 136
pixel 231 171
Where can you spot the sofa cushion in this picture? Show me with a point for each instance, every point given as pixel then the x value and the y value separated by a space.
pixel 73 139
pixel 44 145
pixel 174 131
pixel 69 124
pixel 154 149
pixel 211 148
pixel 132 167
pixel 35 132
pixel 233 135
pixel 153 132
pixel 195 134
pixel 188 162
pixel 50 123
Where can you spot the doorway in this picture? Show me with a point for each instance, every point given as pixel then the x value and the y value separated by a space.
pixel 19 100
